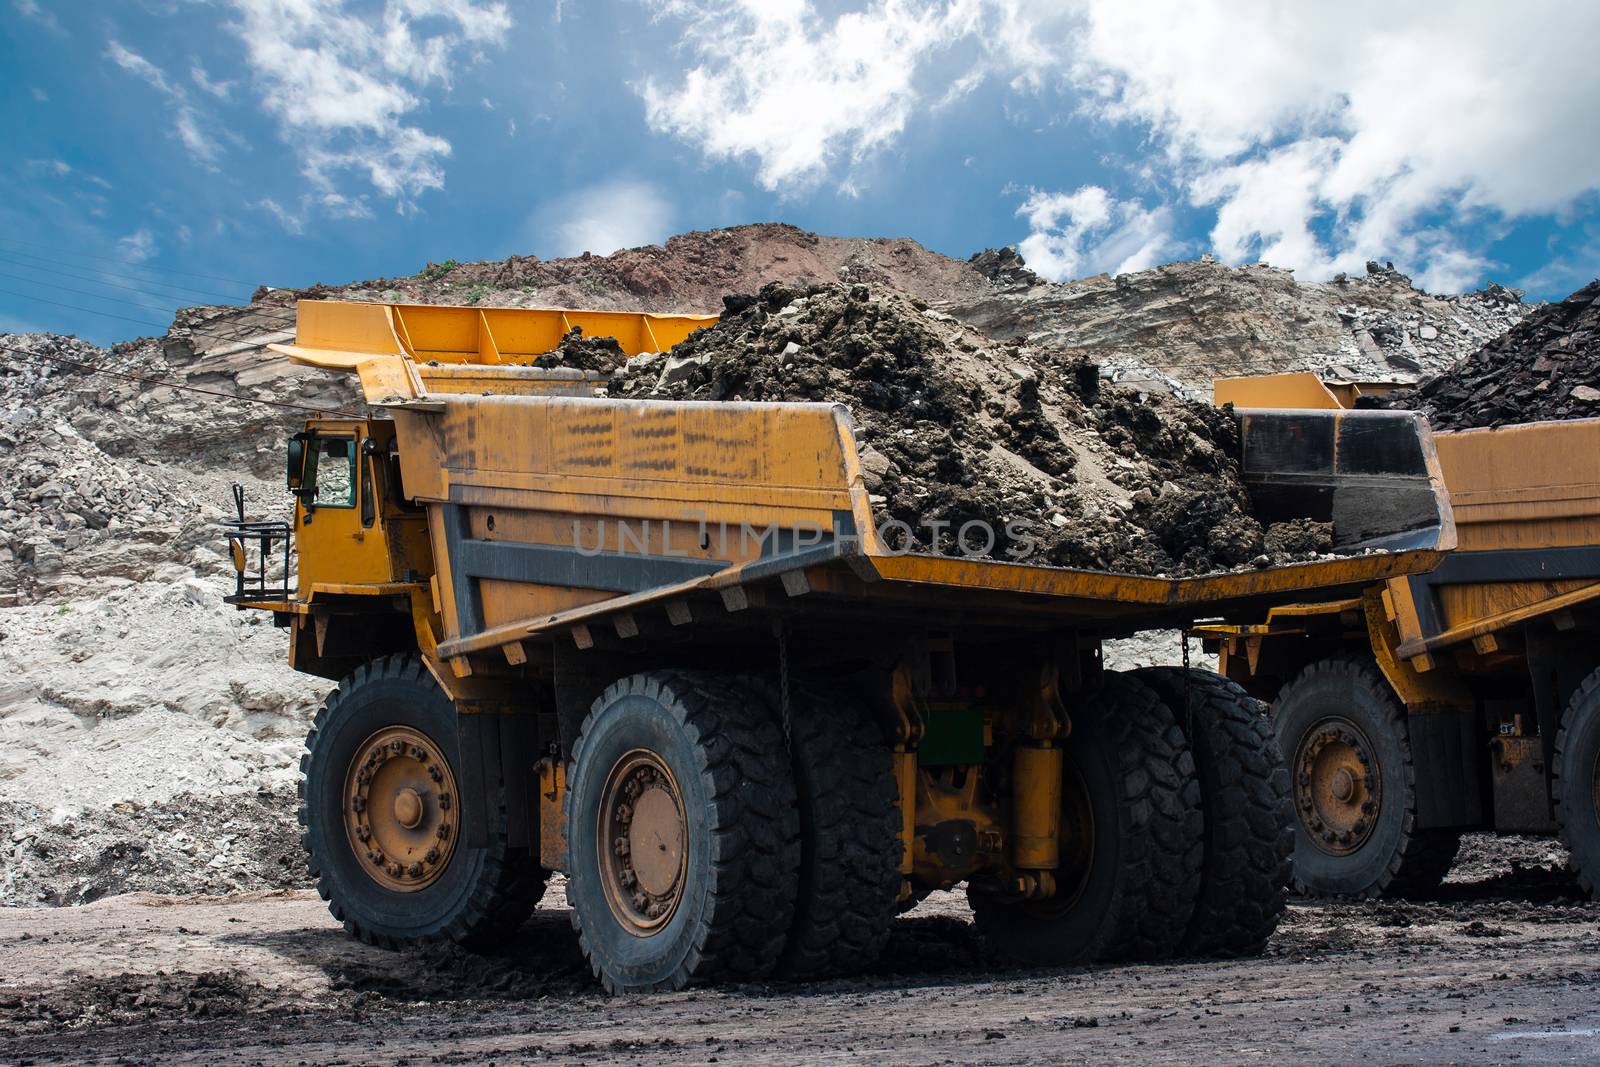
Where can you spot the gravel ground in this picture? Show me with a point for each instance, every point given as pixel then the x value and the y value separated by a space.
pixel 1504 965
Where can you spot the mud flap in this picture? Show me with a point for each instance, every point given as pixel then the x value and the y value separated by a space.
pixel 1449 760
pixel 497 750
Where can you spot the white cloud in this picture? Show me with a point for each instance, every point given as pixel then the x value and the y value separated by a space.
pixel 60 168
pixel 1359 121
pixel 344 85
pixel 604 218
pixel 795 90
pixel 40 95
pixel 1089 231
pixel 186 120
pixel 31 9
pixel 219 89
pixel 1319 135
pixel 138 246
pixel 291 222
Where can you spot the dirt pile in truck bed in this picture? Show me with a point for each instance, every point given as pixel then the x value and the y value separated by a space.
pixel 1545 367
pixel 956 429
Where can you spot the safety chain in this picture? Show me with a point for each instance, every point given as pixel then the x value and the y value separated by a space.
pixel 1188 705
pixel 782 629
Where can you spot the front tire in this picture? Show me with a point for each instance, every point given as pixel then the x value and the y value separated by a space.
pixel 1131 841
pixel 384 823
pixel 682 833
pixel 1576 783
pixel 1345 739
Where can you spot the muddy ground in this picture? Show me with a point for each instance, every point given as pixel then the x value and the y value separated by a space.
pixel 1504 965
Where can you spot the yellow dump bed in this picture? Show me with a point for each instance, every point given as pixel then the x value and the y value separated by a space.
pixel 559 514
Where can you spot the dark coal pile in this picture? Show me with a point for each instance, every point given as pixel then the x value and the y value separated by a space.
pixel 1547 367
pixel 578 352
pixel 956 429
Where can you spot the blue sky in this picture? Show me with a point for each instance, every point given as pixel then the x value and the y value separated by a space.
pixel 166 152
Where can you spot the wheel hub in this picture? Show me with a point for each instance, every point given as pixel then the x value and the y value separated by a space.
pixel 1337 789
pixel 643 845
pixel 400 810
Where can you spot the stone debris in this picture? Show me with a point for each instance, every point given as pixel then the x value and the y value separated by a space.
pixel 1545 367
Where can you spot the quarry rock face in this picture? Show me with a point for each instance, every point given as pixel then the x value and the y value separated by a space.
pixel 1181 325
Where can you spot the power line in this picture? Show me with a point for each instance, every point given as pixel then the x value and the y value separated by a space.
pixel 90 311
pixel 83 292
pixel 181 386
pixel 200 332
pixel 130 262
pixel 99 277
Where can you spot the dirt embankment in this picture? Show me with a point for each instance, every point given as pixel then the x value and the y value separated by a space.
pixel 1176 326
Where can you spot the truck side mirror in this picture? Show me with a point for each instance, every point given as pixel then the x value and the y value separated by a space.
pixel 296 462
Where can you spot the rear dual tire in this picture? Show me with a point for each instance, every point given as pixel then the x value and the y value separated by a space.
pixel 1576 782
pixel 789 845
pixel 1131 809
pixel 685 871
pixel 1247 811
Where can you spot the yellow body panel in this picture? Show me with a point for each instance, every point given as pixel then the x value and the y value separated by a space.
pixel 1529 487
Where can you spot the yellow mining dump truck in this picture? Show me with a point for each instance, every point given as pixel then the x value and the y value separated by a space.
pixel 1466 698
pixel 663 648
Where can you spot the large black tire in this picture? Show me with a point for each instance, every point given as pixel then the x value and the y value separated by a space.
pixel 723 746
pixel 1396 858
pixel 850 848
pixel 1249 815
pixel 1137 778
pixel 1576 782
pixel 482 894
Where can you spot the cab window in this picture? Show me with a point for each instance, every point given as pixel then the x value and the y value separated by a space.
pixel 331 472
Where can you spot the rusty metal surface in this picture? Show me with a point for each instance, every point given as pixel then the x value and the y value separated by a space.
pixel 1521 786
pixel 401 809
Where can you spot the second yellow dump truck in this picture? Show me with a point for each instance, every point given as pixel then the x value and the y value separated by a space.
pixel 662 647
pixel 1465 698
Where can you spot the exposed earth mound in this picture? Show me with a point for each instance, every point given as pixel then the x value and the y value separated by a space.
pixel 1023 445
pixel 1546 367
pixel 1176 326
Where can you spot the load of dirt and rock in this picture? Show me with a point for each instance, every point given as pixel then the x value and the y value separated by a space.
pixel 1547 367
pixel 981 448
